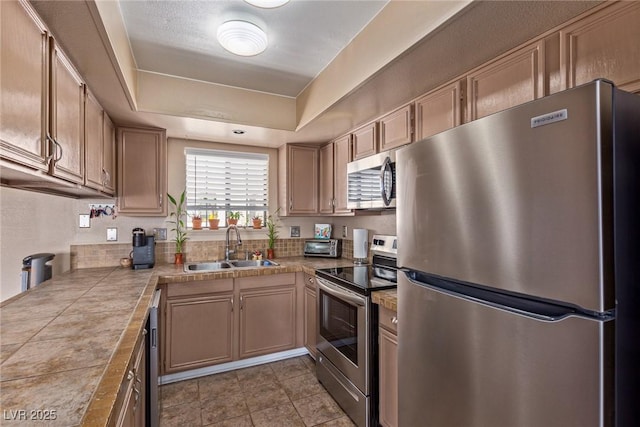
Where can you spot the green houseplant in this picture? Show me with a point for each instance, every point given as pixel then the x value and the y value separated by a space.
pixel 272 233
pixel 178 214
pixel 233 217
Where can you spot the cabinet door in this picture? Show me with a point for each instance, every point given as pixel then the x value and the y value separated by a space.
pixel 199 331
pixel 132 412
pixel 396 128
pixel 94 134
pixel 24 85
pixel 365 141
pixel 438 111
pixel 512 80
pixel 302 179
pixel 109 156
pixel 310 320
pixel 142 171
pixel 341 156
pixel 388 361
pixel 603 45
pixel 326 179
pixel 67 118
pixel 267 320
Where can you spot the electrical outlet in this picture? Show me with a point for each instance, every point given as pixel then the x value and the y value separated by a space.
pixel 160 233
pixel 344 232
pixel 294 231
pixel 112 234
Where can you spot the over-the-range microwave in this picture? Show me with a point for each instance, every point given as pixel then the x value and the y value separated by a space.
pixel 372 182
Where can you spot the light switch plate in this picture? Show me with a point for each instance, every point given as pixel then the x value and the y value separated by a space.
pixel 344 232
pixel 160 233
pixel 84 221
pixel 112 234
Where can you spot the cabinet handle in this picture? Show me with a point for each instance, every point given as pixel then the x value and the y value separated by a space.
pixel 394 320
pixel 160 199
pixel 50 156
pixel 290 204
pixel 130 375
pixel 240 302
pixel 232 304
pixel 311 280
pixel 57 159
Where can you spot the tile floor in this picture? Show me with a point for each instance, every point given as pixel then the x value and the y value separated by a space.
pixel 279 394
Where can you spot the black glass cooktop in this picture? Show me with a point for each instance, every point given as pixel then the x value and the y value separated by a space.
pixel 361 278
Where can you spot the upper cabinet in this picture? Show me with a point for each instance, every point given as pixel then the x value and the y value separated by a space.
pixel 99 147
pixel 439 110
pixel 365 141
pixel 67 118
pixel 333 176
pixel 511 80
pixel 298 179
pixel 396 128
pixel 108 156
pixel 24 87
pixel 605 44
pixel 142 171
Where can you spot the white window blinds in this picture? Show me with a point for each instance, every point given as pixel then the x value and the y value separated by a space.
pixel 226 181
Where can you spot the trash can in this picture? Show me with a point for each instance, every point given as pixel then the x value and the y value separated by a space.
pixel 35 270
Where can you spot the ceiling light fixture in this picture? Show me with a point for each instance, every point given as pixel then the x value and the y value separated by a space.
pixel 267 4
pixel 242 38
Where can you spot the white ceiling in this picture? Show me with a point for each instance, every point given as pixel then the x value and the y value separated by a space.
pixel 179 38
pixel 330 66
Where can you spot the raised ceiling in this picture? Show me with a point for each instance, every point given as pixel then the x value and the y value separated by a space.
pixel 331 65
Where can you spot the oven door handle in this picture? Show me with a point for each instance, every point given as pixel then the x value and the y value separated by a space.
pixel 343 294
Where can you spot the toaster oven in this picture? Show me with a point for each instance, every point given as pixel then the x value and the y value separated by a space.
pixel 329 248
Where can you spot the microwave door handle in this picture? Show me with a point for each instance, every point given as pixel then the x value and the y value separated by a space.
pixel 386 168
pixel 339 293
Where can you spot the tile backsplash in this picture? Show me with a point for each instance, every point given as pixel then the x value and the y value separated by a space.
pixel 108 255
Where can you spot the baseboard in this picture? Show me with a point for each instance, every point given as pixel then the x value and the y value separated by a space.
pixel 230 366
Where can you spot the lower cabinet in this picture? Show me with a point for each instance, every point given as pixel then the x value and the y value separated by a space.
pixel 198 325
pixel 208 322
pixel 388 369
pixel 132 412
pixel 310 314
pixel 267 314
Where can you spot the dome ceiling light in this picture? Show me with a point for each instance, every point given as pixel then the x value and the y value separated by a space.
pixel 267 4
pixel 242 38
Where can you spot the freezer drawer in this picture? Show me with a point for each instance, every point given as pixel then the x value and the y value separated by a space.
pixel 464 363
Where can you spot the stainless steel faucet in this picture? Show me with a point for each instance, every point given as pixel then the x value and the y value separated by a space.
pixel 227 251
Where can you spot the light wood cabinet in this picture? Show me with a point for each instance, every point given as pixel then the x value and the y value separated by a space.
pixel 388 367
pixel 396 128
pixel 142 171
pixel 310 314
pixel 333 176
pixel 99 147
pixel 365 141
pixel 67 118
pixel 132 412
pixel 605 44
pixel 438 110
pixel 268 314
pixel 24 86
pixel 298 177
pixel 198 325
pixel 509 81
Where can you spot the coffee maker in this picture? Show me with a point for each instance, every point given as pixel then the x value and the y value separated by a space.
pixel 143 254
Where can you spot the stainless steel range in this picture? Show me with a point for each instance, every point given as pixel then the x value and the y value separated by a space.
pixel 348 330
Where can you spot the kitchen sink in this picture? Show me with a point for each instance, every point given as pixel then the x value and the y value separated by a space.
pixel 207 266
pixel 253 263
pixel 224 265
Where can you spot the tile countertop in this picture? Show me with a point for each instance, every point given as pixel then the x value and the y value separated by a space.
pixel 387 299
pixel 65 345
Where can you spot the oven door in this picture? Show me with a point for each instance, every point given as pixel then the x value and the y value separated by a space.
pixel 342 331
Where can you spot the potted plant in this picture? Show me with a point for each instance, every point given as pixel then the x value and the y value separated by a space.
pixel 178 214
pixel 213 221
pixel 272 233
pixel 196 221
pixel 257 222
pixel 233 217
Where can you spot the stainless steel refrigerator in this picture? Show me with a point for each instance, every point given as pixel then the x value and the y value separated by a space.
pixel 519 237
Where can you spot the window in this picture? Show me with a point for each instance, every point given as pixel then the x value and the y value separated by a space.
pixel 226 184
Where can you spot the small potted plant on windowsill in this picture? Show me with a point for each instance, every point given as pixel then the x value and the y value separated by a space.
pixel 178 214
pixel 257 222
pixel 233 217
pixel 213 221
pixel 272 233
pixel 196 222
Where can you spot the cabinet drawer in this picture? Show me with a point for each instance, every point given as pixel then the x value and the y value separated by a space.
pixel 389 320
pixel 199 287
